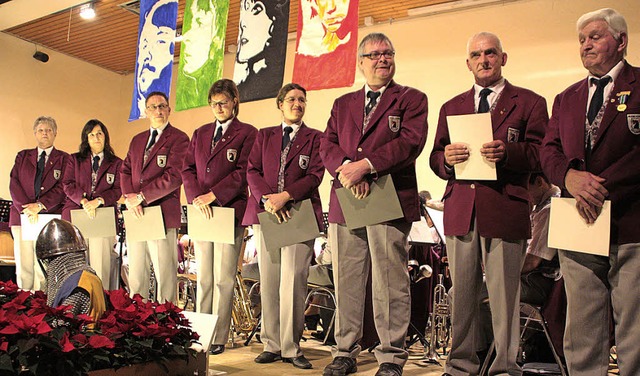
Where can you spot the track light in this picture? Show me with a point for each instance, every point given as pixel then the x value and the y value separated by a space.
pixel 87 11
pixel 41 56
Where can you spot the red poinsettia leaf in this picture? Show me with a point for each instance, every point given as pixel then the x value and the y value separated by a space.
pixel 99 341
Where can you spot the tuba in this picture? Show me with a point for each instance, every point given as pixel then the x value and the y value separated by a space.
pixel 439 322
pixel 242 318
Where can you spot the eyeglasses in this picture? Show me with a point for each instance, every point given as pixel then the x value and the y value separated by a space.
pixel 153 107
pixel 221 104
pixel 290 100
pixel 375 55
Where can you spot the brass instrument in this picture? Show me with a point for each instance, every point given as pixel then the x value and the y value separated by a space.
pixel 242 317
pixel 439 322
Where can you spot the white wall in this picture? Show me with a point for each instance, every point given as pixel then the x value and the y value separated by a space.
pixel 538 35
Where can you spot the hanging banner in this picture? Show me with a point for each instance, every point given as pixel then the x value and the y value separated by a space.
pixel 201 51
pixel 262 48
pixel 327 44
pixel 154 59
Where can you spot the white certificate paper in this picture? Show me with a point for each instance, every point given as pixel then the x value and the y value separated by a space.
pixel 569 231
pixel 30 231
pixel 473 130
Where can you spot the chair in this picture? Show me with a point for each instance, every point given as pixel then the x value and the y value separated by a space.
pixel 327 301
pixel 531 319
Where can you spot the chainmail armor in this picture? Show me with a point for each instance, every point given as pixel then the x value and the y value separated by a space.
pixel 62 267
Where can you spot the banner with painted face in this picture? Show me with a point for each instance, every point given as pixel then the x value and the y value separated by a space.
pixel 201 51
pixel 262 48
pixel 154 59
pixel 326 44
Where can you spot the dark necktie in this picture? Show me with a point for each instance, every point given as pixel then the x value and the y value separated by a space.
pixel 96 163
pixel 373 99
pixel 483 106
pixel 286 138
pixel 37 184
pixel 218 135
pixel 598 97
pixel 154 135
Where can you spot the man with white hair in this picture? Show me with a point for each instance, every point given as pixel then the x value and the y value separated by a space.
pixel 592 151
pixel 486 223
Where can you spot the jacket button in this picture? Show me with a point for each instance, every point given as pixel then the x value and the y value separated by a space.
pixel 473 186
pixel 208 169
pixel 141 181
pixel 360 149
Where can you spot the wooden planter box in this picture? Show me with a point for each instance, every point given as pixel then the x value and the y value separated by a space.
pixel 175 367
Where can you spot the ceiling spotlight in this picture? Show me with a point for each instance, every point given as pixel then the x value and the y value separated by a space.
pixel 87 11
pixel 41 56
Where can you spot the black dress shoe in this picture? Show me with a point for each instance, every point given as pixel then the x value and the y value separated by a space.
pixel 267 357
pixel 389 369
pixel 340 366
pixel 298 362
pixel 216 349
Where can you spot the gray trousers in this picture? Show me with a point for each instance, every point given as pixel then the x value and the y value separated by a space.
pixel 594 285
pixel 217 267
pixel 502 261
pixel 163 254
pixel 383 250
pixel 283 290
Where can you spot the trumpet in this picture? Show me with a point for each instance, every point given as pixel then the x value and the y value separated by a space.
pixel 242 317
pixel 439 322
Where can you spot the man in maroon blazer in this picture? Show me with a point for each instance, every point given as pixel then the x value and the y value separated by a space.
pixel 378 130
pixel 284 167
pixel 150 176
pixel 215 174
pixel 34 193
pixel 592 151
pixel 486 223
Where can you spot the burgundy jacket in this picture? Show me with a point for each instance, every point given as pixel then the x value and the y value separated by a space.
pixel 223 172
pixel 21 183
pixel 159 178
pixel 501 207
pixel 616 152
pixel 77 183
pixel 302 174
pixel 394 138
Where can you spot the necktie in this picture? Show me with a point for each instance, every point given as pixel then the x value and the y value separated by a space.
pixel 483 106
pixel 597 99
pixel 286 138
pixel 154 135
pixel 218 135
pixel 373 99
pixel 40 170
pixel 96 163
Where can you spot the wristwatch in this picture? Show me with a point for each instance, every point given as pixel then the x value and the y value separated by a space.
pixel 101 201
pixel 140 197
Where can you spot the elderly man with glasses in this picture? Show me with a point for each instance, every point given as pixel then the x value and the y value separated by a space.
pixel 376 131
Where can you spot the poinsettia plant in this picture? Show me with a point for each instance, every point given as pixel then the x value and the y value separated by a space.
pixel 39 340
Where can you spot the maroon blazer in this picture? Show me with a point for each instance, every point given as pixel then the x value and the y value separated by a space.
pixel 501 207
pixel 223 172
pixel 22 179
pixel 394 138
pixel 303 171
pixel 159 178
pixel 615 155
pixel 77 183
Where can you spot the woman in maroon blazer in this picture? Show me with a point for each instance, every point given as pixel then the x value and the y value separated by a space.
pixel 284 166
pixel 215 174
pixel 92 179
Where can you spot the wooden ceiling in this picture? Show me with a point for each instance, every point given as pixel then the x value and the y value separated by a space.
pixel 110 39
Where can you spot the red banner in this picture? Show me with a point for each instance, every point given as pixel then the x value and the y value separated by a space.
pixel 327 43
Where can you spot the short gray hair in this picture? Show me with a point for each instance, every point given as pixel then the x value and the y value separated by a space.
pixel 46 120
pixel 484 34
pixel 373 38
pixel 615 20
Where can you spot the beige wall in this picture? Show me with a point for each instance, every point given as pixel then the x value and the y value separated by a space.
pixel 538 35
